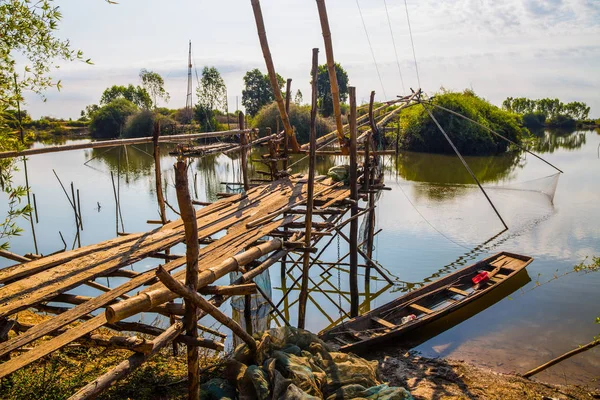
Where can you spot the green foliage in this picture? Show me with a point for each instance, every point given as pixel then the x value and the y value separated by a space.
pixel 135 94
pixel 205 117
pixel 258 91
pixel 298 99
pixel 154 85
pixel 555 112
pixel 183 116
pixel 28 44
pixel 141 124
pixel 108 121
pixel 212 92
pixel 299 119
pixel 419 132
pixel 534 119
pixel 324 98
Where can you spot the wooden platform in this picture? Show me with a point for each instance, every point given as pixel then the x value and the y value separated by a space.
pixel 245 219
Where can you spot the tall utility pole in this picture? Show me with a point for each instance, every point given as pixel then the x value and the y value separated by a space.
pixel 188 100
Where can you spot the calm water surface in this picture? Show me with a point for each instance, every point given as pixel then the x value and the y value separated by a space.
pixel 433 222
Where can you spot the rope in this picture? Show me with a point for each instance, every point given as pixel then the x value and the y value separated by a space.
pixel 394 43
pixel 412 43
pixel 371 47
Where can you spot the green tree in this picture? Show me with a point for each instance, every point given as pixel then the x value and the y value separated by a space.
pixel 324 99
pixel 154 85
pixel 298 98
pixel 135 94
pixel 108 121
pixel 29 48
pixel 258 91
pixel 212 91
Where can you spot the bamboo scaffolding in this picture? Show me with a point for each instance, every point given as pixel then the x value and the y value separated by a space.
pixel 354 208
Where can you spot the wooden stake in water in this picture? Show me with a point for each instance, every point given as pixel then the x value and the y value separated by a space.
pixel 310 194
pixel 244 152
pixel 157 174
pixel 188 216
pixel 354 208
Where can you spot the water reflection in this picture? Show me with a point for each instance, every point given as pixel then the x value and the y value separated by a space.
pixel 548 141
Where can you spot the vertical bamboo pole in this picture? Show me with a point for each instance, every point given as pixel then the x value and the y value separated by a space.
pixel 288 96
pixel 310 192
pixel 264 44
pixel 188 216
pixel 157 174
pixel 354 208
pixel 335 91
pixel 244 151
pixel 76 216
pixel 18 95
pixel 367 182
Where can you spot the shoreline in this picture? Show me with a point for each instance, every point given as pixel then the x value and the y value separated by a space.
pixel 436 378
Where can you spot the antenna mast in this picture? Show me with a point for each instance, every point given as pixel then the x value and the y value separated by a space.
pixel 188 100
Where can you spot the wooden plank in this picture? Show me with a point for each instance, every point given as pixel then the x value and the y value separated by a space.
pixel 458 291
pixel 501 276
pixel 421 308
pixel 383 322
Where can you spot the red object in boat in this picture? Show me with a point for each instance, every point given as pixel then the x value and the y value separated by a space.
pixel 480 278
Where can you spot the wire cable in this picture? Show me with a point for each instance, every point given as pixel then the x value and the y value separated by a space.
pixel 371 47
pixel 394 43
pixel 412 43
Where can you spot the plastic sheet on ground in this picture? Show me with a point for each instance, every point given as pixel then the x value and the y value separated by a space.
pixel 295 364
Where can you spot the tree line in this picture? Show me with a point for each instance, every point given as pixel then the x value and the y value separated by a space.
pixel 551 112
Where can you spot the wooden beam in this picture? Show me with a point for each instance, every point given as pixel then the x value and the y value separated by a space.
pixel 353 276
pixel 335 91
pixel 264 44
pixel 158 175
pixel 421 308
pixel 188 215
pixel 383 322
pixel 234 290
pixel 561 358
pixel 310 194
pixel 206 306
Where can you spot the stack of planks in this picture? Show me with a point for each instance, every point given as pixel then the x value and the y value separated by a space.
pixel 245 219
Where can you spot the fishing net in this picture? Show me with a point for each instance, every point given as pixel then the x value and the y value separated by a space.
pixel 259 307
pixel 546 186
pixel 292 363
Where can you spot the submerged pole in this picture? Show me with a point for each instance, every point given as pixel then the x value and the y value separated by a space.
pixel 354 208
pixel 264 44
pixel 310 194
pixel 464 163
pixel 157 174
pixel 190 224
pixel 244 152
pixel 335 90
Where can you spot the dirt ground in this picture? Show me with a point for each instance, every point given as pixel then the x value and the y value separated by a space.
pixel 447 379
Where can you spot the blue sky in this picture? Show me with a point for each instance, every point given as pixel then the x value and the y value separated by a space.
pixel 532 48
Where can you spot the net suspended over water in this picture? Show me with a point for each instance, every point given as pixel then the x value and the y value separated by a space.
pixel 546 185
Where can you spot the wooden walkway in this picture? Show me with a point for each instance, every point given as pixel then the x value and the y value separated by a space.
pixel 245 219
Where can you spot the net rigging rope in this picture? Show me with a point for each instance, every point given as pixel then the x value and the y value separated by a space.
pixel 371 47
pixel 394 44
pixel 412 43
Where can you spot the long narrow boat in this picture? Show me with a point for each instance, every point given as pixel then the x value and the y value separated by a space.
pixel 427 304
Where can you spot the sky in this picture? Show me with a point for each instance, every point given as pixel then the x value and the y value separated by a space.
pixel 530 48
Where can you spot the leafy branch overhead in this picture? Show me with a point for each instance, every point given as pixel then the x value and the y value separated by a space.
pixel 29 49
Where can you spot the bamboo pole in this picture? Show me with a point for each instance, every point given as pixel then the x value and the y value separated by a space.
pixel 335 91
pixel 148 300
pixel 13 256
pixel 264 44
pixel 561 358
pixel 354 208
pixel 244 152
pixel 310 194
pixel 188 216
pixel 288 96
pixel 191 295
pixel 367 179
pixel 157 174
pixel 119 142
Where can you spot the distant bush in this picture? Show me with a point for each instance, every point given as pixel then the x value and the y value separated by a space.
pixel 419 132
pixel 534 120
pixel 108 121
pixel 141 124
pixel 299 118
pixel 562 121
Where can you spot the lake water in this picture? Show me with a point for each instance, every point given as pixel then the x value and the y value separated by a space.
pixel 433 221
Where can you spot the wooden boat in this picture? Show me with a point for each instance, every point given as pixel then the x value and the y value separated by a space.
pixel 427 304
